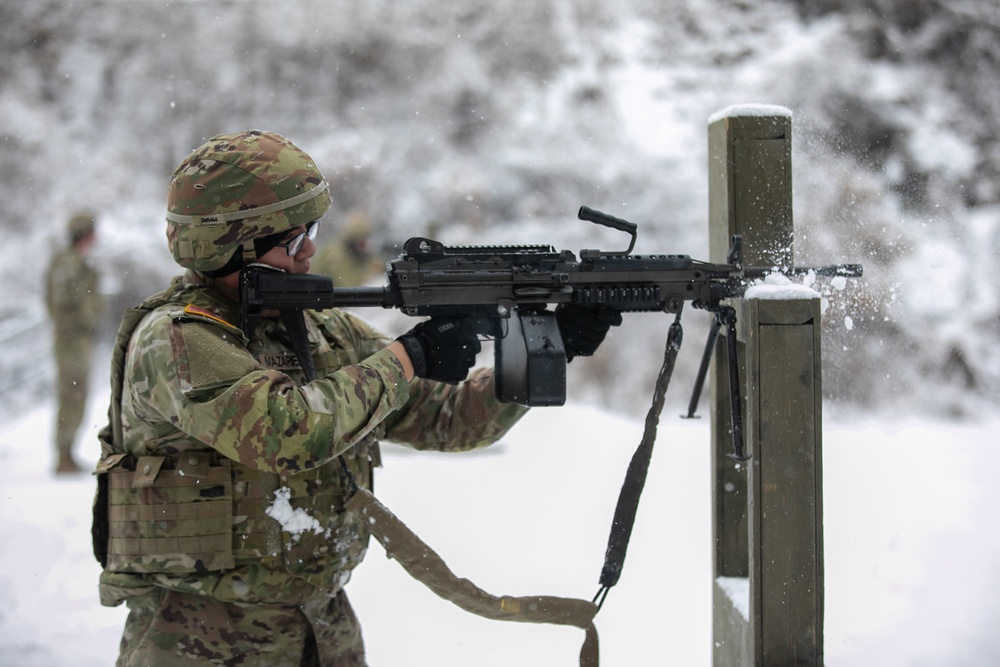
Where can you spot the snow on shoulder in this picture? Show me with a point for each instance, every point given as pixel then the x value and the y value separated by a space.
pixel 750 110
pixel 777 286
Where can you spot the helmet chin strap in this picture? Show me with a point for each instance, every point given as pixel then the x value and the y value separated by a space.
pixel 249 253
pixel 262 265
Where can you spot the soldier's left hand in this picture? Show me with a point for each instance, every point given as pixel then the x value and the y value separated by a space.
pixel 441 349
pixel 583 329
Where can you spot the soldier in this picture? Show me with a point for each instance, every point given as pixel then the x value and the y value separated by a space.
pixel 219 517
pixel 347 258
pixel 75 307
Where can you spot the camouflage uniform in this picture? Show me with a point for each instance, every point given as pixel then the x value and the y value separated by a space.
pixel 222 439
pixel 75 307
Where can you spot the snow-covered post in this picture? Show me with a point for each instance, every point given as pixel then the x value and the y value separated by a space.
pixel 768 519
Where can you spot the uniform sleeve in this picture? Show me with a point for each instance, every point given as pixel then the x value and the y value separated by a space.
pixel 446 417
pixel 200 378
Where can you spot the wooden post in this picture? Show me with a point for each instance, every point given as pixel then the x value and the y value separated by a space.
pixel 768 526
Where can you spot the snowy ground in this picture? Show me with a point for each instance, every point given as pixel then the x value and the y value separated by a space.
pixel 911 553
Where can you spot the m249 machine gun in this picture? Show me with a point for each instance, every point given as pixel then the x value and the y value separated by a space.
pixel 504 292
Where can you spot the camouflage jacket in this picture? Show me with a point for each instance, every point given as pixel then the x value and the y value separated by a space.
pixel 228 428
pixel 72 297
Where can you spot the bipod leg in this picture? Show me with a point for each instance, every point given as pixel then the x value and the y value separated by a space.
pixel 727 315
pixel 706 359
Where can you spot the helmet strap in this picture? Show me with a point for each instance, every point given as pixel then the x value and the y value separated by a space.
pixel 249 253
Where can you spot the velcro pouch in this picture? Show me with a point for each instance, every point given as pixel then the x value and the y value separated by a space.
pixel 171 515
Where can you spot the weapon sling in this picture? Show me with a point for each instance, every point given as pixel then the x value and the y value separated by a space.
pixel 635 478
pixel 427 567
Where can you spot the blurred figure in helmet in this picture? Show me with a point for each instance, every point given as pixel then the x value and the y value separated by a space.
pixel 227 461
pixel 347 258
pixel 75 306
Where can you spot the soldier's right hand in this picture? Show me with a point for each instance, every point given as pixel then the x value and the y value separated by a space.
pixel 441 349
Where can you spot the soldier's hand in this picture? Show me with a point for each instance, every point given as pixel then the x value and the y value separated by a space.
pixel 441 349
pixel 583 329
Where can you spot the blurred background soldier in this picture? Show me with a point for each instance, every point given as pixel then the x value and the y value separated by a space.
pixel 348 259
pixel 75 307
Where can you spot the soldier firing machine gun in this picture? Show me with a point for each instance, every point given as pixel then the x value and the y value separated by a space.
pixel 503 293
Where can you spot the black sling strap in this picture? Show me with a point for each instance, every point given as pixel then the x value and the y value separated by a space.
pixel 635 478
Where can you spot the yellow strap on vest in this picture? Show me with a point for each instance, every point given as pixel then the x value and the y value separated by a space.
pixel 424 565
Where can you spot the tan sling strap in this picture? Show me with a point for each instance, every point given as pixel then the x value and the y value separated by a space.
pixel 424 565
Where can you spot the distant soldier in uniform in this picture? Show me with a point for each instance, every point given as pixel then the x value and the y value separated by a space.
pixel 219 517
pixel 348 259
pixel 75 307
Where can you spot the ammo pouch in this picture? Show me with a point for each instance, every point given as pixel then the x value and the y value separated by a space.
pixel 168 514
pixel 198 512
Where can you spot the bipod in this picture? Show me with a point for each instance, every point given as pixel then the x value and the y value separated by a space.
pixel 723 316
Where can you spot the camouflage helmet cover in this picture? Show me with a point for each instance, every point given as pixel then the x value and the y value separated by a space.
pixel 238 187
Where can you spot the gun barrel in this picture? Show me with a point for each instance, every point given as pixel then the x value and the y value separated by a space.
pixel 827 271
pixel 845 270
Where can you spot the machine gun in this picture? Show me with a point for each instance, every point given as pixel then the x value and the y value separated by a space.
pixel 503 294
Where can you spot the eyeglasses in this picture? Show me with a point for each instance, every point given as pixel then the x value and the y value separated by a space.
pixel 294 244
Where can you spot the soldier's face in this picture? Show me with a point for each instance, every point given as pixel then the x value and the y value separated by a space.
pixel 279 259
pixel 86 244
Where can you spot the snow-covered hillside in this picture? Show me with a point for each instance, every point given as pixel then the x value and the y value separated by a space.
pixel 487 121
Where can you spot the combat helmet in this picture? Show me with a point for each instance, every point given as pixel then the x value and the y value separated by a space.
pixel 235 196
pixel 80 226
